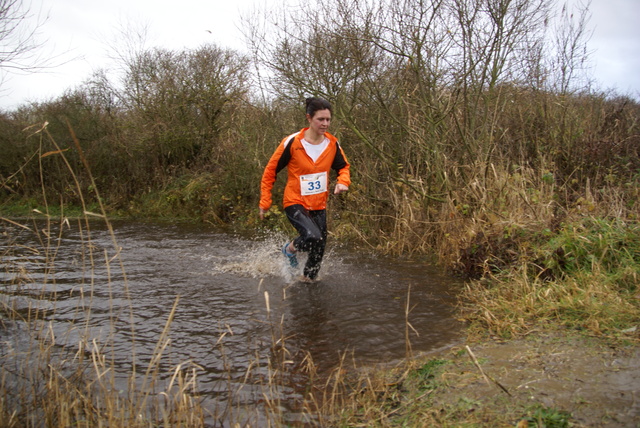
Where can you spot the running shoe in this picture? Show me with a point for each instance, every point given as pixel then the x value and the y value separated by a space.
pixel 293 260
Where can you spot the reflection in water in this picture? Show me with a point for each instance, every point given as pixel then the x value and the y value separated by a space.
pixel 222 325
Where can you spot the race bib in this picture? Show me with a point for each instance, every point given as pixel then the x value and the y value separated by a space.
pixel 311 184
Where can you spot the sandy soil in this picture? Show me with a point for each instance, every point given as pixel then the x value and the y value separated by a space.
pixel 596 380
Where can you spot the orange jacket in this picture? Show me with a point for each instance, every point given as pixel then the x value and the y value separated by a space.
pixel 307 181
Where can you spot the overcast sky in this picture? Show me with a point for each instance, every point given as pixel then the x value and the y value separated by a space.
pixel 85 31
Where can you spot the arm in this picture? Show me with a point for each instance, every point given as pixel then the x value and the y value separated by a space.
pixel 278 161
pixel 266 184
pixel 342 166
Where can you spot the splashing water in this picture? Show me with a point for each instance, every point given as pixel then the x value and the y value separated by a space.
pixel 260 259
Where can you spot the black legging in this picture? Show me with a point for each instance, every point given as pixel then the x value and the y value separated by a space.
pixel 312 227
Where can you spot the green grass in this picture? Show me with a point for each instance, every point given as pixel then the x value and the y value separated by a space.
pixel 426 374
pixel 543 417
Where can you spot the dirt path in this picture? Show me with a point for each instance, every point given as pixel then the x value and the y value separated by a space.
pixel 595 380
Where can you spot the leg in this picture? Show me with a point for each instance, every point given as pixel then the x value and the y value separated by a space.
pixel 316 250
pixel 312 227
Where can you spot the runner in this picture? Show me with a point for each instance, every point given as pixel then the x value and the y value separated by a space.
pixel 309 155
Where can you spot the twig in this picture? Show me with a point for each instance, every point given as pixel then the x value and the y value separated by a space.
pixel 413 400
pixel 484 375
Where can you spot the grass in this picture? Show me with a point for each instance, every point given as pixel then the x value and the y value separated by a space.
pixel 46 381
pixel 35 209
pixel 430 392
pixel 585 276
pixel 540 254
pixel 76 387
pixel 549 418
pixel 580 276
pixel 548 379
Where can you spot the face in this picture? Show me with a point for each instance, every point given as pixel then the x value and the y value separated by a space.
pixel 320 121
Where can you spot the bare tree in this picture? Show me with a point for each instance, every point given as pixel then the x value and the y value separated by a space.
pixel 570 43
pixel 19 43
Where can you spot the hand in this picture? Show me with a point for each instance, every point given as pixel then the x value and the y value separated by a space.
pixel 340 188
pixel 262 213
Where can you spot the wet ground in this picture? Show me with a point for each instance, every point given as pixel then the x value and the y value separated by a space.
pixel 596 380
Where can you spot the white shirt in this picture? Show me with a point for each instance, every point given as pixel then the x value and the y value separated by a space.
pixel 314 150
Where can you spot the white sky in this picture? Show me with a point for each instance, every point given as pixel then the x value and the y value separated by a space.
pixel 616 44
pixel 85 31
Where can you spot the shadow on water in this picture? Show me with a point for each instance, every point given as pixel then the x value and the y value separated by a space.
pixel 222 325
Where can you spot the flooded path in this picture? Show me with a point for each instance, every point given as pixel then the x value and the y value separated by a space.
pixel 237 300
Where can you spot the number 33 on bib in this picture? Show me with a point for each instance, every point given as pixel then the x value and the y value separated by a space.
pixel 312 184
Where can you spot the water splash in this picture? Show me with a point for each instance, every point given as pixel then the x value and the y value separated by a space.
pixel 260 259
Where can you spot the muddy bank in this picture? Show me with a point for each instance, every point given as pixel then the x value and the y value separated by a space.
pixel 596 380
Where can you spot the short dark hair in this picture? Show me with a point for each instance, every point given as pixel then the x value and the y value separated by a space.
pixel 314 104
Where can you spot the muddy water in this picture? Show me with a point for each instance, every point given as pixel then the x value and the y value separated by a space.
pixel 237 299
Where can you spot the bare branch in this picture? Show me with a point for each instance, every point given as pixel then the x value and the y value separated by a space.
pixel 19 37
